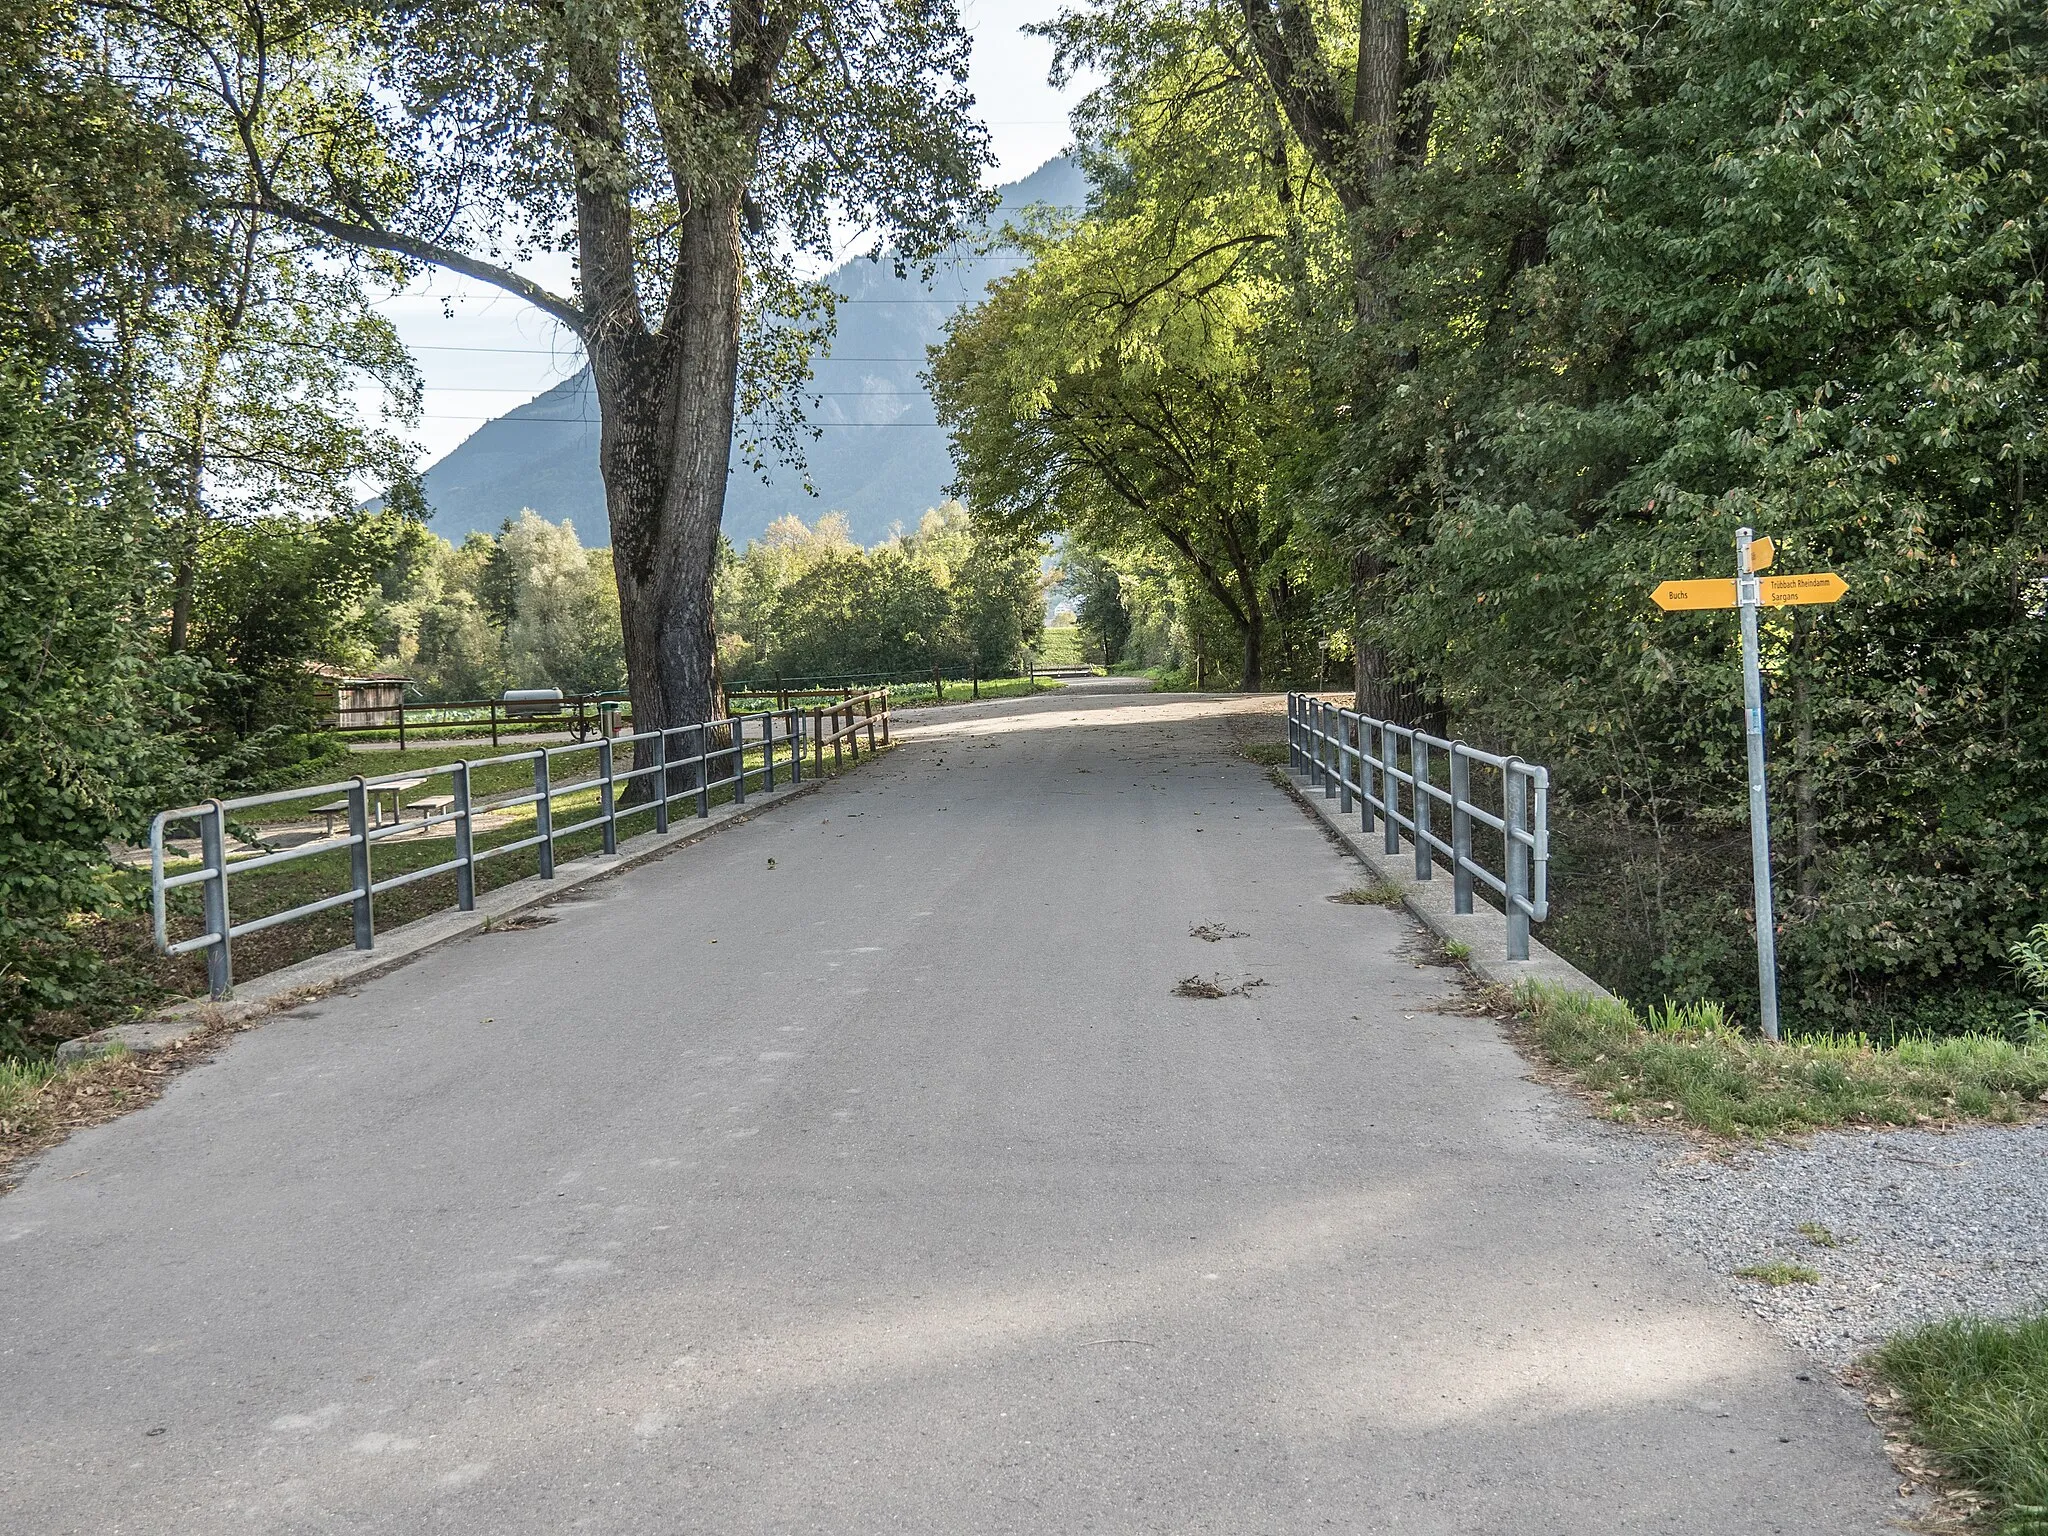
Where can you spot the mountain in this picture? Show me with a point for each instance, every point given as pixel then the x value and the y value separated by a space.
pixel 879 456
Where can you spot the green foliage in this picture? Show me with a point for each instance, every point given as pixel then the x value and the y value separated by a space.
pixel 1777 1272
pixel 1135 387
pixel 530 608
pixel 1977 1391
pixel 807 601
pixel 1098 588
pixel 2030 959
pixel 95 208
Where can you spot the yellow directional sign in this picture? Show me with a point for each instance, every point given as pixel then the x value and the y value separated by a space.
pixel 1819 587
pixel 1776 591
pixel 1761 553
pixel 1674 595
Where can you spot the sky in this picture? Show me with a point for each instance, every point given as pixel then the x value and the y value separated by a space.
pixel 481 352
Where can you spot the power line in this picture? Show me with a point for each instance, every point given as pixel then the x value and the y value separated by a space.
pixel 425 346
pixel 592 421
pixel 849 394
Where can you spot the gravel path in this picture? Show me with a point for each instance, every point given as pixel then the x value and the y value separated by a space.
pixel 1925 1226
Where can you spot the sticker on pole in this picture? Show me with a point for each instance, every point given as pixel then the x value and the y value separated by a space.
pixel 1790 591
pixel 1673 596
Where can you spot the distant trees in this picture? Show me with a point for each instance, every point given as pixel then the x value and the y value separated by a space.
pixel 807 601
pixel 528 608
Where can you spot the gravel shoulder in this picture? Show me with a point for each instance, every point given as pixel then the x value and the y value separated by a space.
pixel 1924 1225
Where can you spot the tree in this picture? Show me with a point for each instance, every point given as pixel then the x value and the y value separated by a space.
pixel 808 601
pixel 95 220
pixel 690 155
pixel 1118 390
pixel 1098 587
pixel 1354 88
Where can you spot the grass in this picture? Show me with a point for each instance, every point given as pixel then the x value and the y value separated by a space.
pixel 918 695
pixel 1977 1394
pixel 1062 646
pixel 42 1102
pixel 1267 754
pixel 1818 1235
pixel 1778 1272
pixel 1686 1065
pixel 1458 950
pixel 1375 893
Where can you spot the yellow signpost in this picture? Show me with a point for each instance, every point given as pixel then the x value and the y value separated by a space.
pixel 1675 596
pixel 1750 591
pixel 1785 591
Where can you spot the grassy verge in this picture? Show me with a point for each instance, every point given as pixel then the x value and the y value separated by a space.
pixel 920 695
pixel 1976 1394
pixel 1687 1066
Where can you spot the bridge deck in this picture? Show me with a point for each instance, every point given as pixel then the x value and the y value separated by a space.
pixel 915 1202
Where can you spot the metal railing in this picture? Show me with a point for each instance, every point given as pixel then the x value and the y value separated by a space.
pixel 1358 759
pixel 687 763
pixel 582 715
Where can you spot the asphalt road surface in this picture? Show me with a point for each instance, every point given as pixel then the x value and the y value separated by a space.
pixel 859 1170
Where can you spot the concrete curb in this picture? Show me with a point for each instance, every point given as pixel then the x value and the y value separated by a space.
pixel 308 979
pixel 1483 931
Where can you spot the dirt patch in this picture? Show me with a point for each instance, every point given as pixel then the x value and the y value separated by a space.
pixel 519 922
pixel 94 1092
pixel 1215 933
pixel 1216 986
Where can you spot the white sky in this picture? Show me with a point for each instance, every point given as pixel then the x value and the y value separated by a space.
pixel 493 352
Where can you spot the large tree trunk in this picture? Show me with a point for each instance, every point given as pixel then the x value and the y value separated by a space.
pixel 1254 649
pixel 666 403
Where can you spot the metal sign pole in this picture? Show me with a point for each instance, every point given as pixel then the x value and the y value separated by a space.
pixel 1748 595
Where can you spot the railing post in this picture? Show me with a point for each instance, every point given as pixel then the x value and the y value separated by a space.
pixel 853 729
pixel 703 771
pixel 1361 743
pixel 1343 762
pixel 792 721
pixel 738 748
pixel 544 813
pixel 1461 829
pixel 660 778
pixel 1515 792
pixel 494 725
pixel 818 740
pixel 401 724
pixel 359 859
pixel 1332 765
pixel 213 848
pixel 837 736
pixel 465 841
pixel 867 706
pixel 1418 799
pixel 608 800
pixel 768 749
pixel 1390 788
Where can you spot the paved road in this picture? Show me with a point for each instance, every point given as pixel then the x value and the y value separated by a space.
pixel 857 1172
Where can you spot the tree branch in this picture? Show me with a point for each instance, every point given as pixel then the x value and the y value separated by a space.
pixel 370 237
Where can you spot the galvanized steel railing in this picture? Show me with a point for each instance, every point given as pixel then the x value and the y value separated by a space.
pixel 1357 758
pixel 705 757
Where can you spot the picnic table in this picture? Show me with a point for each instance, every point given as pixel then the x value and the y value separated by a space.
pixel 395 788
